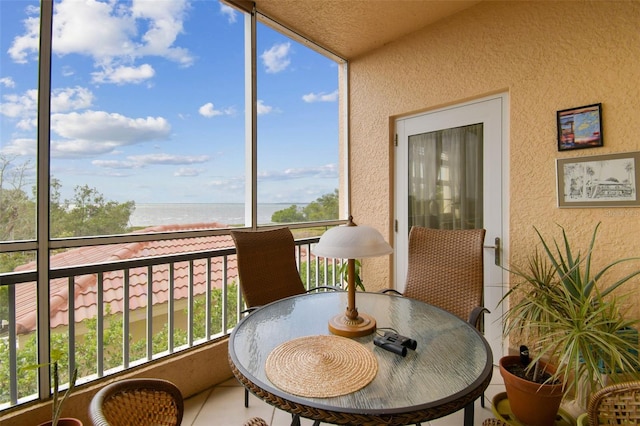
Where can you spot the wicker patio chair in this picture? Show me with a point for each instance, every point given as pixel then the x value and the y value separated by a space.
pixel 266 265
pixel 256 421
pixel 267 268
pixel 494 422
pixel 137 402
pixel 615 404
pixel 445 269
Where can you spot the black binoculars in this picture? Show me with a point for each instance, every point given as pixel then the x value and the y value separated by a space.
pixel 395 343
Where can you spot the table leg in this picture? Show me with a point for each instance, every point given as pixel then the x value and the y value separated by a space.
pixel 468 415
pixel 295 420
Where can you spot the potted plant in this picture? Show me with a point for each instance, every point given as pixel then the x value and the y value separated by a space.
pixel 343 272
pixel 568 314
pixel 59 398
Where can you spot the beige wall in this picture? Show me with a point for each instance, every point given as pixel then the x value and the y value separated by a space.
pixel 548 56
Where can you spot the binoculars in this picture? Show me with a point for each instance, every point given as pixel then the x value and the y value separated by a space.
pixel 395 343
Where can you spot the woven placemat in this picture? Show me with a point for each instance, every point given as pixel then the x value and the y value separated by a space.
pixel 321 366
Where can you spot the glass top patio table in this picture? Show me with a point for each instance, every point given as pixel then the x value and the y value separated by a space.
pixel 450 368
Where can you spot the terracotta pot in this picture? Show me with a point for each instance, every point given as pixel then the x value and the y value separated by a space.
pixel 532 404
pixel 65 421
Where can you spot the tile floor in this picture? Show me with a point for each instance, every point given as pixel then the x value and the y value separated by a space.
pixel 223 405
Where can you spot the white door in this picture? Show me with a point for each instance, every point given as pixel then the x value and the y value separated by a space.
pixel 484 122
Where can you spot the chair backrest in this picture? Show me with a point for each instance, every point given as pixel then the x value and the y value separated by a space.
pixel 445 268
pixel 615 404
pixel 137 402
pixel 267 265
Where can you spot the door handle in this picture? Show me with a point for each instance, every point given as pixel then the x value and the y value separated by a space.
pixel 496 250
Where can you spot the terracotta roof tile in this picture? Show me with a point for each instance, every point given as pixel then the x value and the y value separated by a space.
pixel 85 287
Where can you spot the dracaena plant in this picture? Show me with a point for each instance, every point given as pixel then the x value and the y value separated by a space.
pixel 572 317
pixel 59 398
pixel 343 272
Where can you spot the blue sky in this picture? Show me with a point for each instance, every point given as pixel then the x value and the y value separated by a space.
pixel 148 102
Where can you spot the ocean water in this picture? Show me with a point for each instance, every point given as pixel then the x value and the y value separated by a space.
pixel 179 214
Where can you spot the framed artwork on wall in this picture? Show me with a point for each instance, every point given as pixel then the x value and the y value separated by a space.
pixel 580 127
pixel 609 180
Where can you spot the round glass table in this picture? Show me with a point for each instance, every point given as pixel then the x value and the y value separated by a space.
pixel 450 367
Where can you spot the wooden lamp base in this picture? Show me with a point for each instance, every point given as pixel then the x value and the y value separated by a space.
pixel 343 326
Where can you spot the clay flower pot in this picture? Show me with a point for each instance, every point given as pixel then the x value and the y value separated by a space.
pixel 531 403
pixel 65 421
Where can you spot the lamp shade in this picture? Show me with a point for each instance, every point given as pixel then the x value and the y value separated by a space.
pixel 351 242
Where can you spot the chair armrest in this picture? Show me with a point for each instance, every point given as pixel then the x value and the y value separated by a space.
pixel 476 313
pixel 324 287
pixel 390 290
pixel 249 310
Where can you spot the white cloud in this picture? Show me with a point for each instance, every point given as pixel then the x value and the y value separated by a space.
pixel 80 148
pixel 162 158
pixel 321 97
pixel 20 106
pixel 23 107
pixel 114 34
pixel 115 164
pixel 27 123
pixel 124 75
pixel 7 82
pixel 208 110
pixel 99 132
pixel 139 161
pixel 186 172
pixel 164 22
pixel 70 99
pixel 67 71
pixel 25 47
pixel 276 59
pixel 326 171
pixel 263 109
pixel 25 147
pixel 100 125
pixel 229 185
pixel 229 12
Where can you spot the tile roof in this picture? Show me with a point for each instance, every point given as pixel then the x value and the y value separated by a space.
pixel 85 286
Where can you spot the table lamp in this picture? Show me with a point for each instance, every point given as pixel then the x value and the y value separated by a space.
pixel 351 242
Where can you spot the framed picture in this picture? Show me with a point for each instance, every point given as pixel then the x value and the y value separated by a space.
pixel 580 127
pixel 599 181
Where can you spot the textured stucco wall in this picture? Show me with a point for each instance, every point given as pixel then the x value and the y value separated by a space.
pixel 548 56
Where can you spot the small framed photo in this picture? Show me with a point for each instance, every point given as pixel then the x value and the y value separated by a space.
pixel 580 127
pixel 609 180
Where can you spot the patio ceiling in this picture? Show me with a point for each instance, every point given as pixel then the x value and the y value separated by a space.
pixel 350 28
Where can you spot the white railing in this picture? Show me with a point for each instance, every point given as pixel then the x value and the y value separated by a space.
pixel 154 326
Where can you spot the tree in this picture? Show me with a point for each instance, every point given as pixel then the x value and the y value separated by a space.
pixel 324 208
pixel 89 213
pixel 17 211
pixel 289 215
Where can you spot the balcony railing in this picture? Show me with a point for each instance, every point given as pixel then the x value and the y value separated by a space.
pixel 134 311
